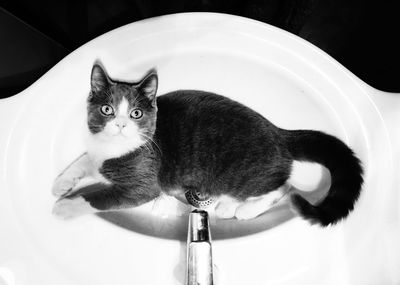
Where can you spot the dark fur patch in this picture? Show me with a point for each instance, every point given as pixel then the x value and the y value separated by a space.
pixel 218 146
pixel 345 169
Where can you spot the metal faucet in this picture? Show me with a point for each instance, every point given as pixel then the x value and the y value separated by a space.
pixel 199 265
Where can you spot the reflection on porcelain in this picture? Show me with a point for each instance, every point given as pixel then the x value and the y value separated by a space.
pixel 6 276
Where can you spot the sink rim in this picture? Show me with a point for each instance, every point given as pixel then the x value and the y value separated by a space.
pixel 198 20
pixel 312 55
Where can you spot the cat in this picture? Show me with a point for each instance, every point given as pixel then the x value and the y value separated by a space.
pixel 141 146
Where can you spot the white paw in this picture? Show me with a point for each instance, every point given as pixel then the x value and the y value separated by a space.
pixel 68 208
pixel 225 207
pixel 64 183
pixel 246 212
pixel 225 210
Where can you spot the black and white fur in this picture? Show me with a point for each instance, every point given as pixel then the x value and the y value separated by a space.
pixel 187 140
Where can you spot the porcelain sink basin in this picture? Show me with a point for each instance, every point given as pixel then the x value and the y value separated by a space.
pixel 289 81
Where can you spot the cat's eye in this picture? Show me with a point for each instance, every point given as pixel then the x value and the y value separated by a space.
pixel 107 110
pixel 136 114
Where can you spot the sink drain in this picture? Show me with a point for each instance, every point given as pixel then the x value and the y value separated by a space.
pixel 198 199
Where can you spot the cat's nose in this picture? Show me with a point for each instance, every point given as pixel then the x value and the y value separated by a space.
pixel 120 124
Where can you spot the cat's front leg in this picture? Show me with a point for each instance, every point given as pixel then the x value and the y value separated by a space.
pixel 102 197
pixel 69 178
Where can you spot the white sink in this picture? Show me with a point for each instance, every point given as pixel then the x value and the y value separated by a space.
pixel 289 81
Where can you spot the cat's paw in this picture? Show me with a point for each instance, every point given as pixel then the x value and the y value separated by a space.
pixel 67 208
pixel 65 183
pixel 248 211
pixel 226 209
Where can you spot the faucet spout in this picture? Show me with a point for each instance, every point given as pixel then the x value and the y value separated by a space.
pixel 199 254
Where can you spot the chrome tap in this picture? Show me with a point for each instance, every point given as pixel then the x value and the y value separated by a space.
pixel 199 255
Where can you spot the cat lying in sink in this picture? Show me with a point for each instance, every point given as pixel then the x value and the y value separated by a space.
pixel 142 146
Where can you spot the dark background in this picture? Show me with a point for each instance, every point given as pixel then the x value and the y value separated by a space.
pixel 360 34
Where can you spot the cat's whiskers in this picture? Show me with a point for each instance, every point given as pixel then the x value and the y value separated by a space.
pixel 150 140
pixel 148 146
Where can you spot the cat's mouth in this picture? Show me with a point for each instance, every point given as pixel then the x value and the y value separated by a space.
pixel 120 134
pixel 123 137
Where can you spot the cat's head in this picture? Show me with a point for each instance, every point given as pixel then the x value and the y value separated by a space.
pixel 121 112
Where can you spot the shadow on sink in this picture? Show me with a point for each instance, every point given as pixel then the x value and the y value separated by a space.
pixel 176 227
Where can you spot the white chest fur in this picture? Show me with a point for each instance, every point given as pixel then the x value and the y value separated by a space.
pixel 101 149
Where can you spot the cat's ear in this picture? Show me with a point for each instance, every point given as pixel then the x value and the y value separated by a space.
pixel 99 79
pixel 148 86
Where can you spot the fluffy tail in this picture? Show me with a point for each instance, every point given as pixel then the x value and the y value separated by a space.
pixel 346 174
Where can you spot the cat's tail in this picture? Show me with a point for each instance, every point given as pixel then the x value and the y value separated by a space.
pixel 345 169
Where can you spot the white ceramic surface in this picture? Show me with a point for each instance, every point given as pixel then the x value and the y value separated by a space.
pixel 289 81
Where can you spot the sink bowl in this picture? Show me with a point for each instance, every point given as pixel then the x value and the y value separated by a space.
pixel 289 81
